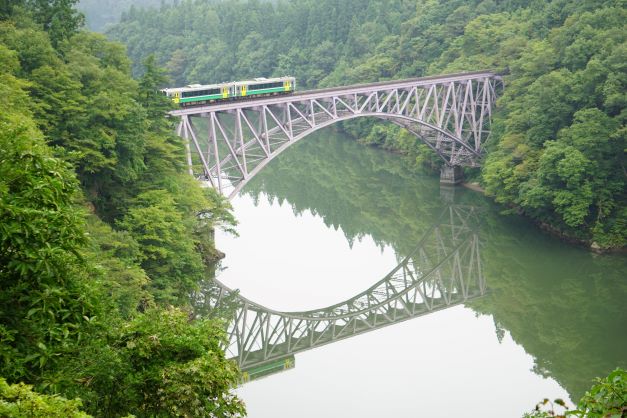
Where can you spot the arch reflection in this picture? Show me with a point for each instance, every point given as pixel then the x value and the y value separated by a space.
pixel 443 270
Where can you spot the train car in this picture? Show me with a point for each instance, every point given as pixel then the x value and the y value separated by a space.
pixel 198 94
pixel 267 369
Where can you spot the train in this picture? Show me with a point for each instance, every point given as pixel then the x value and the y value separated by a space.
pixel 199 94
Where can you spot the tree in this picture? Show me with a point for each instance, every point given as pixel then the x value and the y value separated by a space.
pixel 7 6
pixel 159 364
pixel 561 182
pixel 20 401
pixel 606 398
pixel 168 254
pixel 149 96
pixel 45 300
pixel 59 18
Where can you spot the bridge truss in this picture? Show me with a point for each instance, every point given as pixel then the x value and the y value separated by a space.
pixel 444 270
pixel 228 143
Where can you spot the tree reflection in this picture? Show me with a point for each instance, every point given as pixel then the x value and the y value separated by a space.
pixel 564 305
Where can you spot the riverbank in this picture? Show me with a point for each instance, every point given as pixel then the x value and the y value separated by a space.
pixel 551 230
pixel 474 186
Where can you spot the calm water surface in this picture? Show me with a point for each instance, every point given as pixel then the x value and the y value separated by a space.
pixel 329 218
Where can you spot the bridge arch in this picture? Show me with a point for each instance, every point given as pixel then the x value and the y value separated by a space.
pixel 412 125
pixel 451 114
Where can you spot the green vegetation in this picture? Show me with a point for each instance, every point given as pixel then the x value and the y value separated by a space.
pixel 19 401
pixel 101 13
pixel 606 398
pixel 558 139
pixel 103 236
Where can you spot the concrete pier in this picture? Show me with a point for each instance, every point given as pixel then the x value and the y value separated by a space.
pixel 451 175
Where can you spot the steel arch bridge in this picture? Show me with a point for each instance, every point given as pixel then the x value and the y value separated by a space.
pixel 450 113
pixel 443 271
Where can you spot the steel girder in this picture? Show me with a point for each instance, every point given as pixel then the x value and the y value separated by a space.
pixel 451 114
pixel 444 270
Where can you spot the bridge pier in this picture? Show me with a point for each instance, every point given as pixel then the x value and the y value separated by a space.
pixel 451 175
pixel 447 194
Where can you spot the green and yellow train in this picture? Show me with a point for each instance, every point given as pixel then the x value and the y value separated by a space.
pixel 197 94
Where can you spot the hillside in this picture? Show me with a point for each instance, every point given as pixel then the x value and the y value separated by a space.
pixel 102 13
pixel 103 235
pixel 557 149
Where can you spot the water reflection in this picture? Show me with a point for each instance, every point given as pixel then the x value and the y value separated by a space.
pixel 563 305
pixel 442 271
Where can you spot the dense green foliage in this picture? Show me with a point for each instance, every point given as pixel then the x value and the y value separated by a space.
pixel 58 18
pixel 159 364
pixel 101 232
pixel 19 401
pixel 560 155
pixel 557 149
pixel 101 13
pixel 606 398
pixel 44 299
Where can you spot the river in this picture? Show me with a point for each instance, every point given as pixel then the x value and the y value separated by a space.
pixel 329 218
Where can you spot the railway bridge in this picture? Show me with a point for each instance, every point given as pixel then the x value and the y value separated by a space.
pixel 229 142
pixel 444 270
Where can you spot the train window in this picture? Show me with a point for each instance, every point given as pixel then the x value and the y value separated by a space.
pixel 265 86
pixel 201 93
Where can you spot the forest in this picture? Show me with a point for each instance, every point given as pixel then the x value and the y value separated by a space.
pixel 100 14
pixel 557 149
pixel 103 235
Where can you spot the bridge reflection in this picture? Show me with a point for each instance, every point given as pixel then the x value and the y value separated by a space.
pixel 443 270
